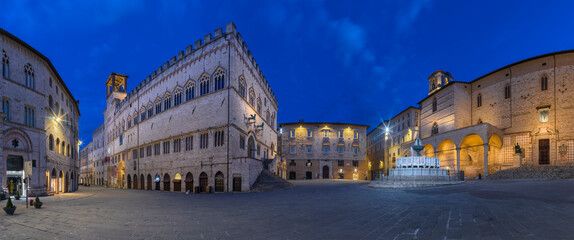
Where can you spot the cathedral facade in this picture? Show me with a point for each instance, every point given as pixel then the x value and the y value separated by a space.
pixel 38 123
pixel 204 121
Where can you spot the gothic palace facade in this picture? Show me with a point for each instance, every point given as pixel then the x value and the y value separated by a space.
pixel 38 123
pixel 203 121
pixel 475 126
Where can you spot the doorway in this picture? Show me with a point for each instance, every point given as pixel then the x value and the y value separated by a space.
pixel 308 175
pixel 544 151
pixel 325 172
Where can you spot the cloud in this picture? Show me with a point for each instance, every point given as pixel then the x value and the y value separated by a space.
pixel 407 16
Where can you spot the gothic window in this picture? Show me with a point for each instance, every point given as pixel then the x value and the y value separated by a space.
pixel 51 102
pixel 219 80
pixel 5 65
pixel 166 147
pixel 218 139
pixel 142 114
pixel 135 118
pixel 479 100
pixel 259 105
pixel 57 145
pixel 204 85
pixel 252 97
pixel 267 117
pixel 242 86
pixel 29 76
pixel 177 98
pixel 29 117
pixel 157 106
pixel 167 102
pixel 544 116
pixel 189 143
pixel 6 108
pixel 544 83
pixel 189 92
pixel 63 148
pixel 434 129
pixel 434 105
pixel 51 143
pixel 149 110
pixel 507 91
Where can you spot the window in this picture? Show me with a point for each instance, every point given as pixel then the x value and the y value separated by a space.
pixel 292 149
pixel 167 102
pixel 121 139
pixel 292 133
pixel 148 150
pixel 434 129
pixel 355 150
pixel 218 139
pixel 341 134
pixel 166 147
pixel 135 118
pixel 292 163
pixel 355 163
pixel 29 76
pixel 177 98
pixel 479 100
pixel 143 115
pixel 157 107
pixel 434 105
pixel 51 142
pixel 203 140
pixel 252 97
pixel 134 154
pixel 544 83
pixel 142 153
pixel 507 91
pixel 242 142
pixel 325 133
pixel 5 65
pixel 176 145
pixel 6 104
pixel 156 149
pixel 204 85
pixel 189 143
pixel 309 133
pixel 340 163
pixel 259 105
pixel 219 80
pixel 356 135
pixel 29 118
pixel 309 148
pixel 189 92
pixel 544 116
pixel 258 149
pixel 242 86
pixel 50 82
pixel 325 149
pixel 340 149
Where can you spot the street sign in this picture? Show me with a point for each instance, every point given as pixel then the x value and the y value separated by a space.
pixel 28 168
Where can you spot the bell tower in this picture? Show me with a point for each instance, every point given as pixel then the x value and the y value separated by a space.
pixel 116 88
pixel 438 79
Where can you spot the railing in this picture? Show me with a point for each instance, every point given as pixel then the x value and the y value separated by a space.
pixel 451 176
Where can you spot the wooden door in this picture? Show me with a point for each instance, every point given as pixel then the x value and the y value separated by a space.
pixel 544 151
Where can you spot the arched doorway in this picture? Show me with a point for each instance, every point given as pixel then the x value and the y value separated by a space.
pixel 292 175
pixel 494 154
pixel 237 183
pixel 325 172
pixel 129 182
pixel 177 182
pixel 142 182
pixel 203 182
pixel 219 182
pixel 135 182
pixel 251 147
pixel 308 175
pixel 120 174
pixel 156 180
pixel 446 153
pixel 429 151
pixel 471 155
pixel 54 181
pixel 67 182
pixel 188 182
pixel 166 183
pixel 61 181
pixel 149 182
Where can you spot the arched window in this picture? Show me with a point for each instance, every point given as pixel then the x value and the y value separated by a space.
pixel 129 121
pixel 57 145
pixel 51 102
pixel 259 105
pixel 252 97
pixel 189 91
pixel 204 85
pixel 68 150
pixel 434 129
pixel 157 106
pixel 63 148
pixel 142 116
pixel 479 100
pixel 177 98
pixel 507 91
pixel 219 80
pixel 5 65
pixel 29 75
pixel 267 116
pixel 434 105
pixel 51 143
pixel 544 83
pixel 242 86
pixel 135 118
pixel 167 102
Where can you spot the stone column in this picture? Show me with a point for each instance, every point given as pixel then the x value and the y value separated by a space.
pixel 458 160
pixel 485 159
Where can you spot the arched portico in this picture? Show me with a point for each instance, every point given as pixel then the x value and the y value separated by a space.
pixel 446 152
pixel 471 155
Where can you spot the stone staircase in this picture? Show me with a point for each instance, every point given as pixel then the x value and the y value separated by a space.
pixel 531 172
pixel 267 181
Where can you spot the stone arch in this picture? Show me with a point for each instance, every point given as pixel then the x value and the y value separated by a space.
pixel 494 153
pixel 149 182
pixel 251 147
pixel 429 151
pixel 189 182
pixel 203 184
pixel 157 182
pixel 219 182
pixel 177 182
pixel 142 182
pixel 446 153
pixel 23 140
pixel 61 181
pixel 129 182
pixel 135 183
pixel 471 154
pixel 166 183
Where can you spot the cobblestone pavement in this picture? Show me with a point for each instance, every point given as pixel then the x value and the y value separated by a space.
pixel 310 210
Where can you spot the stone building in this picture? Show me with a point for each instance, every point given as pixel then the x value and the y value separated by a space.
pixel 92 156
pixel 376 140
pixel 475 126
pixel 39 122
pixel 203 121
pixel 324 150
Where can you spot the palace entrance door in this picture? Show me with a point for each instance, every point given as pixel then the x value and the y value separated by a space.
pixel 544 151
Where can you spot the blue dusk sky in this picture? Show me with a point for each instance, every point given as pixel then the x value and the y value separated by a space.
pixel 326 61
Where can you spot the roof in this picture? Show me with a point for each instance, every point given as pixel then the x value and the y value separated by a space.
pixel 323 123
pixel 58 78
pixel 403 111
pixel 441 88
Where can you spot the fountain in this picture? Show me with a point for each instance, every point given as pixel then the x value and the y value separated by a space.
pixel 416 171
